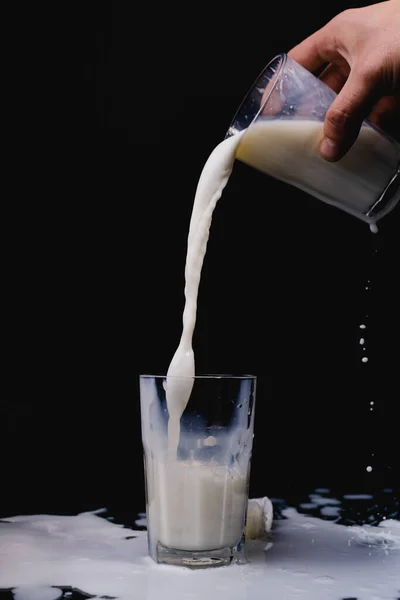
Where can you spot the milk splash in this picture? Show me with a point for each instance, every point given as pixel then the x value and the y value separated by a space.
pixel 43 556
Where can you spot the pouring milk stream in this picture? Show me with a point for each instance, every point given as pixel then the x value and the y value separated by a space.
pixel 289 150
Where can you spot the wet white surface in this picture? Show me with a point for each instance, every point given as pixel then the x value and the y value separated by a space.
pixel 302 558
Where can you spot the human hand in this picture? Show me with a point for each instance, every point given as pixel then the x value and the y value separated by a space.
pixel 360 50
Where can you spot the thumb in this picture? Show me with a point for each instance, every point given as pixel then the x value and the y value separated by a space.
pixel 346 114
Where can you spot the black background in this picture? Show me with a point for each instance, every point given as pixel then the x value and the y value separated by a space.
pixel 122 103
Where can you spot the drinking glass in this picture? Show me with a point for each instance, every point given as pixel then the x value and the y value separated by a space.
pixel 196 500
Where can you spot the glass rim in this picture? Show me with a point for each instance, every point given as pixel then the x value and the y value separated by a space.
pixel 282 57
pixel 209 376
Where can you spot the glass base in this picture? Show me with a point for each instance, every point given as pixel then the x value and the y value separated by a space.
pixel 204 559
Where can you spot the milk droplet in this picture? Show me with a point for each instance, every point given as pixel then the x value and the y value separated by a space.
pixel 210 441
pixel 373 227
pixel 362 340
pixel 362 326
pixel 369 469
pixel 364 359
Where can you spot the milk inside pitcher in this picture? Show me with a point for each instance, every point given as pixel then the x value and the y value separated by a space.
pixel 283 115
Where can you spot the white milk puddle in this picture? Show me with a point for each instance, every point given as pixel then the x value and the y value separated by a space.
pixel 45 557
